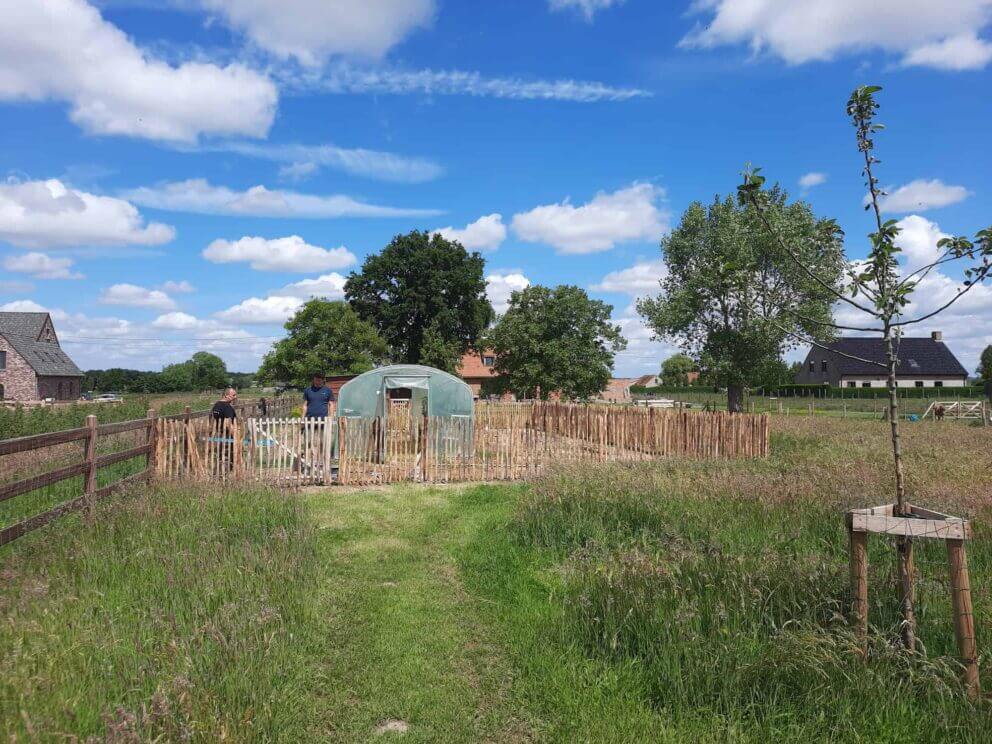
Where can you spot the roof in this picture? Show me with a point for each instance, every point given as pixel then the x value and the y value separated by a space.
pixel 472 366
pixel 645 380
pixel 22 331
pixel 917 356
pixel 618 388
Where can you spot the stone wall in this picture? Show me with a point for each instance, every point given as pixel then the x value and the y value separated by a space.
pixel 18 379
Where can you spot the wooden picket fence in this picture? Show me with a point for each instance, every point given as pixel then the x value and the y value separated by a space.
pixel 502 441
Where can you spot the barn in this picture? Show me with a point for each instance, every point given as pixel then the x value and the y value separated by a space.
pixel 33 365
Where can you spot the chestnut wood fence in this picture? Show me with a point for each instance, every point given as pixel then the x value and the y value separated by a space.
pixel 504 441
pixel 76 467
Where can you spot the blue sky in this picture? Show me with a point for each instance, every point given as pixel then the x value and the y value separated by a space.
pixel 181 175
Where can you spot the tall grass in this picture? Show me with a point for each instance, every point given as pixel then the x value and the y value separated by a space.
pixel 722 587
pixel 173 615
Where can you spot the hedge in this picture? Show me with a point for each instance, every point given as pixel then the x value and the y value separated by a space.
pixel 975 392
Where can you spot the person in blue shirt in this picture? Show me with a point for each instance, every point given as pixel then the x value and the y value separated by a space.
pixel 318 398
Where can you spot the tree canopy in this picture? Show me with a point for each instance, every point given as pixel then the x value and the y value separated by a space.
pixel 203 371
pixel 555 340
pixel 426 297
pixel 323 336
pixel 675 370
pixel 732 299
pixel 985 365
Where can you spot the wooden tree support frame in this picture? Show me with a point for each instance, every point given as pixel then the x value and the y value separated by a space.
pixel 917 523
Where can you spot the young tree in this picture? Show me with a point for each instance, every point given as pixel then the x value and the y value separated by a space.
pixel 881 289
pixel 985 365
pixel 323 336
pixel 555 341
pixel 420 282
pixel 675 370
pixel 730 300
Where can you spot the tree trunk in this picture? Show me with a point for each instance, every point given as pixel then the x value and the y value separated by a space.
pixel 904 545
pixel 735 398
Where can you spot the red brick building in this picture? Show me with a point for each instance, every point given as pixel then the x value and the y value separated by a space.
pixel 476 369
pixel 33 365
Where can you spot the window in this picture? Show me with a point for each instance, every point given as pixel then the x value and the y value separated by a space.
pixel 3 360
pixel 918 383
pixel 812 366
pixel 488 361
pixel 865 384
pixel 852 383
pixel 1 387
pixel 823 365
pixel 938 383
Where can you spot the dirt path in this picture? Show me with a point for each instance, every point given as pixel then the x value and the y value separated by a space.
pixel 408 656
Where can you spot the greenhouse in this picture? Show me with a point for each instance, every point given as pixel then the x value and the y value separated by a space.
pixel 431 392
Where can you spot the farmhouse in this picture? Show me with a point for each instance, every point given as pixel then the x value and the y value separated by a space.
pixel 476 369
pixel 923 362
pixel 33 365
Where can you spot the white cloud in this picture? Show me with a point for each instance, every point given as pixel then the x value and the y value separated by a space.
pixel 180 287
pixel 809 180
pixel 312 30
pixel 963 52
pixel 275 309
pixel 587 8
pixel 131 295
pixel 41 266
pixel 921 195
pixel 64 50
pixel 632 213
pixel 304 160
pixel 485 234
pixel 347 78
pixel 49 214
pixel 641 279
pixel 499 287
pixel 198 196
pixel 643 354
pixel 176 321
pixel 329 287
pixel 918 238
pixel 291 254
pixel 23 306
pixel 937 34
pixel 15 286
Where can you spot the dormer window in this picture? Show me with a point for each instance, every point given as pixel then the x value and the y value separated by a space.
pixel 488 361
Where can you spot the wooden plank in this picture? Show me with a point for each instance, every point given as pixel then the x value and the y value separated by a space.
pixel 964 618
pixel 26 444
pixel 115 457
pixel 938 529
pixel 10 490
pixel 105 430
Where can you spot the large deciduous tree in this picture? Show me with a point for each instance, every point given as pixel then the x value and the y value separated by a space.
pixel 555 341
pixel 985 365
pixel 675 370
pixel 323 336
pixel 732 300
pixel 423 291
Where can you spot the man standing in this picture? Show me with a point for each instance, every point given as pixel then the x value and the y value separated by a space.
pixel 222 413
pixel 318 398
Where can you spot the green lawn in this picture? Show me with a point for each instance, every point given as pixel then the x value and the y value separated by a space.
pixel 659 602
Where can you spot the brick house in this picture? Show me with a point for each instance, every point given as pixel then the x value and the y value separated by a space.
pixel 476 369
pixel 33 365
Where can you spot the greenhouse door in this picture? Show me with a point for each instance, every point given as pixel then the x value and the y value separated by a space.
pixel 402 438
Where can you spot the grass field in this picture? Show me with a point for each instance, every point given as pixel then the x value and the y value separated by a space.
pixel 674 601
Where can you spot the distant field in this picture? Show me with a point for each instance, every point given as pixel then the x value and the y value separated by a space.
pixel 671 601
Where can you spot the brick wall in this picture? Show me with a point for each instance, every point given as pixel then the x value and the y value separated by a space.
pixel 18 379
pixel 59 388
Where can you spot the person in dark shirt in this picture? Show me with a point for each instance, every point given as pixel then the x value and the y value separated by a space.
pixel 318 398
pixel 224 408
pixel 222 412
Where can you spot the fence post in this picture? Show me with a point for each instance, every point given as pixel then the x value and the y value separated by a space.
pixel 90 486
pixel 185 439
pixel 964 619
pixel 151 461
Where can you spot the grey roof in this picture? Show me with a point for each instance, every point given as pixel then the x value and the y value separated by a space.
pixel 917 356
pixel 45 357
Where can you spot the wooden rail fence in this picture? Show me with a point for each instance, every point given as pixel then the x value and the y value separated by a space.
pixel 502 442
pixel 145 431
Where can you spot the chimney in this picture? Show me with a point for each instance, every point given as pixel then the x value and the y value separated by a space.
pixel 937 335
